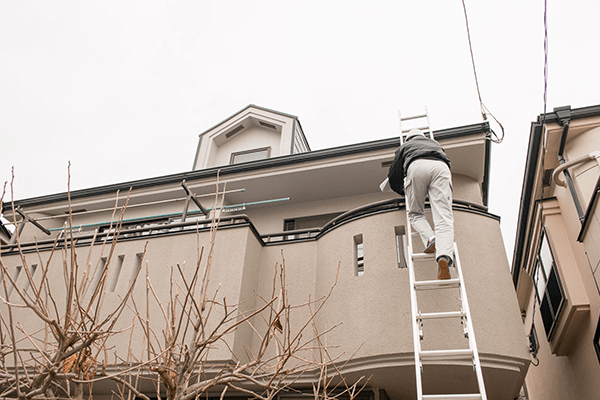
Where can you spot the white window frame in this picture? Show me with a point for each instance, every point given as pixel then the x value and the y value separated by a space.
pixel 266 150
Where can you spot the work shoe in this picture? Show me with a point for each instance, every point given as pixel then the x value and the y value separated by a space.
pixel 443 271
pixel 430 248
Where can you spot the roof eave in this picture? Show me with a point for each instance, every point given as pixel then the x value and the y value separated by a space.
pixel 527 191
pixel 468 130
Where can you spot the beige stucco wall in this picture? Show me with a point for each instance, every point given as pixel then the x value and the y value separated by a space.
pixel 233 266
pixel 249 139
pixel 466 188
pixel 373 309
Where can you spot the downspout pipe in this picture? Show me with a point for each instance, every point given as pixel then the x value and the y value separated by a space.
pixel 564 119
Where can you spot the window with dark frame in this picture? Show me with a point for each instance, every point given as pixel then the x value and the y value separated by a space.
pixel 549 289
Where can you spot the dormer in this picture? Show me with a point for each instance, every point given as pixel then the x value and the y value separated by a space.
pixel 254 133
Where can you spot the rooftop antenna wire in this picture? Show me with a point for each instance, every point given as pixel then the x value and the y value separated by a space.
pixel 543 133
pixel 484 109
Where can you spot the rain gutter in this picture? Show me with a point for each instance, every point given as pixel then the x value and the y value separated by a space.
pixel 564 119
pixel 533 153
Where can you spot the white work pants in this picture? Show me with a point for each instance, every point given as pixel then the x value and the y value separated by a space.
pixel 431 177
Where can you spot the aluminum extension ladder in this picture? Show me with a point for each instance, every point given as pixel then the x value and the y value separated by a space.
pixel 417 322
pixel 421 118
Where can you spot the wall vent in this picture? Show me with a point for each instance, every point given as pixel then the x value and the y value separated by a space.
pixel 234 131
pixel 267 125
pixel 386 164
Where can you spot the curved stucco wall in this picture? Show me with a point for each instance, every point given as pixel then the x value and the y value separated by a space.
pixel 374 308
pixel 376 305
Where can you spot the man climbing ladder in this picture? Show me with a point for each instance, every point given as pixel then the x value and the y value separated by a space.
pixel 426 167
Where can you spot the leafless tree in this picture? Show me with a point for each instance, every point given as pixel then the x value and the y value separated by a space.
pixel 188 348
pixel 55 359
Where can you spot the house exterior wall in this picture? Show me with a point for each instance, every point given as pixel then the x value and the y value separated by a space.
pixel 566 365
pixel 371 312
pixel 585 174
pixel 250 139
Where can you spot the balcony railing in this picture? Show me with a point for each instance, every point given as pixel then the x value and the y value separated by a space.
pixel 159 226
pixel 142 229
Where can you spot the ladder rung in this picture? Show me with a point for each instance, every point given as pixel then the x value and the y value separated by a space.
pixel 470 396
pixel 423 256
pixel 456 354
pixel 448 314
pixel 413 117
pixel 437 284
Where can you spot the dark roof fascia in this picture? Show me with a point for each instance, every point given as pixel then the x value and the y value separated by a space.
pixel 480 128
pixel 485 185
pixel 577 113
pixel 526 192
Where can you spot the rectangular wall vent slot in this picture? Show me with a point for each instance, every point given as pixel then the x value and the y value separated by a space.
pixel 234 131
pixel 32 270
pixel 136 268
pixel 112 285
pixel 266 125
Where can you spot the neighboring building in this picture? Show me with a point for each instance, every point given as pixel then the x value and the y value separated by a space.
pixel 557 254
pixel 320 208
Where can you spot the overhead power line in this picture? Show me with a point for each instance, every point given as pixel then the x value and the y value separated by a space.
pixel 484 110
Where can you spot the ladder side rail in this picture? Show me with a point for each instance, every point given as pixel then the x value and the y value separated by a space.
pixel 429 123
pixel 469 324
pixel 401 131
pixel 414 307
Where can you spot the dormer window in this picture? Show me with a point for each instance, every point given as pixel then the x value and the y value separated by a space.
pixel 250 155
pixel 273 133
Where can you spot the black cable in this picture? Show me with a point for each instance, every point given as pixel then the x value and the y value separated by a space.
pixel 484 110
pixel 543 133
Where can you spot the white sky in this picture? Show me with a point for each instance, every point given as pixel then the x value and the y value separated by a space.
pixel 122 89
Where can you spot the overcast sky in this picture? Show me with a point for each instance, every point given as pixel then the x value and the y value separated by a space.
pixel 122 89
